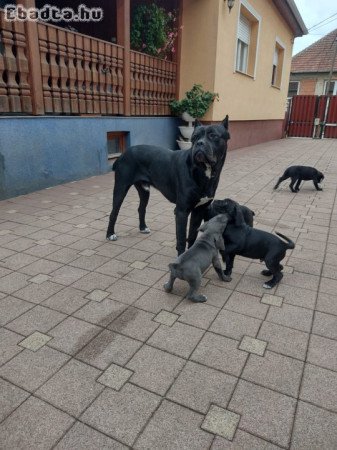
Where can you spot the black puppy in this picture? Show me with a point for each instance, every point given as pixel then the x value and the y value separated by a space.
pixel 241 239
pixel 187 178
pixel 221 206
pixel 299 174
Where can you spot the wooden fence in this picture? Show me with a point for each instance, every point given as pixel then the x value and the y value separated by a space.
pixel 72 74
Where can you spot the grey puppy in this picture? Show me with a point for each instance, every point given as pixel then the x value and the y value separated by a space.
pixel 192 264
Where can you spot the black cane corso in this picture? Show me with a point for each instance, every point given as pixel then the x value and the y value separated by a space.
pixel 187 178
pixel 299 174
pixel 221 206
pixel 241 239
pixel 192 264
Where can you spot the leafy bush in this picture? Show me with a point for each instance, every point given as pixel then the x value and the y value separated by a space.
pixel 196 102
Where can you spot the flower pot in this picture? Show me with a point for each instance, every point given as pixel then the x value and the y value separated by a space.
pixel 185 116
pixel 184 145
pixel 186 132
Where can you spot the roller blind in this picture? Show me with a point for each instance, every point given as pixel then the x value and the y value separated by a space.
pixel 275 60
pixel 244 29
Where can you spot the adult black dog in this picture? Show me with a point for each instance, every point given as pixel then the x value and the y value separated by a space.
pixel 187 178
pixel 299 174
pixel 241 239
pixel 221 206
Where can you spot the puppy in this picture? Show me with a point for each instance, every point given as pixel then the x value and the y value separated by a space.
pixel 299 174
pixel 220 207
pixel 192 264
pixel 241 239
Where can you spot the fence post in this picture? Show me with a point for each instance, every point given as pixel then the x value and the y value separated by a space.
pixel 34 61
pixel 123 38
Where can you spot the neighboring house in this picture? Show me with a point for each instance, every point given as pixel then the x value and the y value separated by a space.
pixel 70 97
pixel 311 67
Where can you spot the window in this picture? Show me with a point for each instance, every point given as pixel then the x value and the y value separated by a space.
pixel 332 87
pixel 278 58
pixel 247 40
pixel 293 89
pixel 116 143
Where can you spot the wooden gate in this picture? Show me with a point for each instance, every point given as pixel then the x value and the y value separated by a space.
pixel 312 116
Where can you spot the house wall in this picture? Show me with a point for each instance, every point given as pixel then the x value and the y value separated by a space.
pixel 311 83
pixel 38 152
pixel 208 57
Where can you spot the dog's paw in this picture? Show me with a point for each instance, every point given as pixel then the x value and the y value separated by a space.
pixel 198 298
pixel 267 286
pixel 112 237
pixel 226 278
pixel 145 230
pixel 167 287
pixel 266 273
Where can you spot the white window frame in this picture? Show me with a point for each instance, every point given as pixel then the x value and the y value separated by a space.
pixel 334 87
pixel 298 85
pixel 258 18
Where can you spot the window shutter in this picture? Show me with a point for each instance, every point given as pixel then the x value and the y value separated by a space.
pixel 275 60
pixel 244 29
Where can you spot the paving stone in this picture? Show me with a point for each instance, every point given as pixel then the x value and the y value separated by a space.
pixel 39 279
pixel 36 319
pixel 198 386
pixel 11 397
pixel 135 323
pixel 253 285
pixel 41 267
pixel 273 300
pixel 82 437
pixel 247 304
pixel 327 286
pixel 220 353
pixel 72 334
pixel 94 280
pixel 37 293
pixel 17 261
pixel 115 377
pixel 314 428
pixel 72 388
pixel 35 341
pixel 63 255
pixel 11 307
pixel 67 275
pixel 325 325
pixel 234 325
pixel 301 280
pixel 264 413
pixel 319 386
pixel 323 352
pixel 297 296
pixel 98 295
pixel 102 313
pixel 139 265
pixel 174 427
pixel 109 347
pixel 291 316
pixel 252 345
pixel 215 296
pixel 221 422
pixel 327 303
pixel 126 291
pixel 121 414
pixel 166 318
pixel 180 339
pixel 277 372
pixel 154 369
pixel 67 300
pixel 242 441
pixel 155 300
pixel 13 282
pixel 30 370
pixel 89 262
pixel 34 425
pixel 132 255
pixel 115 268
pixel 201 315
pixel 8 345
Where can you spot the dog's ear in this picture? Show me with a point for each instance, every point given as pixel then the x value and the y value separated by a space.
pixel 197 123
pixel 225 122
pixel 219 242
pixel 238 216
pixel 203 227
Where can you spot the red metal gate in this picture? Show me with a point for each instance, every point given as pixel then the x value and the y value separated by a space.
pixel 312 116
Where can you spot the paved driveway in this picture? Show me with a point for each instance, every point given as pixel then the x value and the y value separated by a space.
pixel 94 354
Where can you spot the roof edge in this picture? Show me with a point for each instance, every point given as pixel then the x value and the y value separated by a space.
pixel 292 16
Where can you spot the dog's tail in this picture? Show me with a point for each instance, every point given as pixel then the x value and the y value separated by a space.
pixel 290 243
pixel 174 268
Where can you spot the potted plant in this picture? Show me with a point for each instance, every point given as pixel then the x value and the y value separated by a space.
pixel 193 106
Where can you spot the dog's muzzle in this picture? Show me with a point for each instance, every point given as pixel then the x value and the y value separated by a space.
pixel 202 157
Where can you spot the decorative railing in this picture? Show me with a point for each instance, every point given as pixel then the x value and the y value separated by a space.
pixel 15 92
pixel 78 74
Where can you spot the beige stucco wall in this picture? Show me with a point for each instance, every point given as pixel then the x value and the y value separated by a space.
pixel 208 54
pixel 312 83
